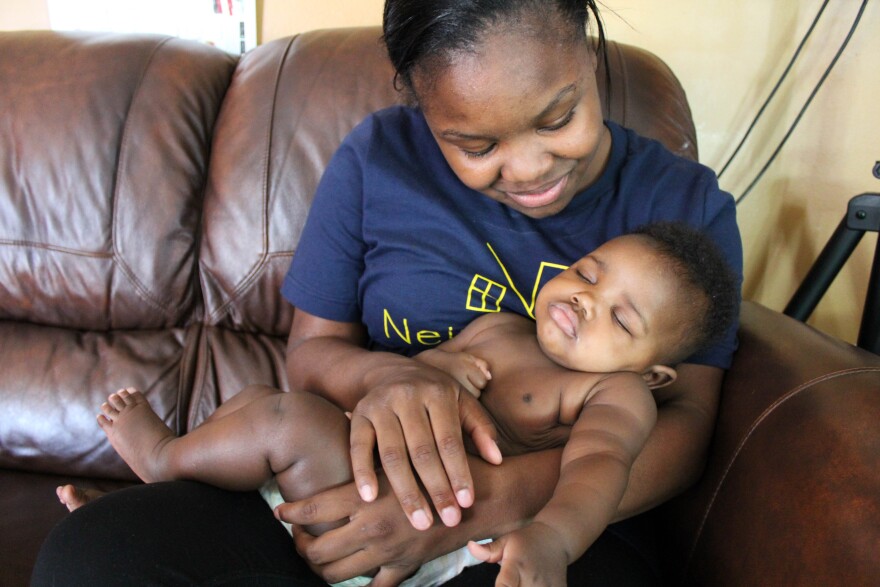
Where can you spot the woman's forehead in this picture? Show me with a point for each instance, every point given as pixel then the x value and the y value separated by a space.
pixel 505 72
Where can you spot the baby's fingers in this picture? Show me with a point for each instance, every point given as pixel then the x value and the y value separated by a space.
pixel 490 552
pixel 483 366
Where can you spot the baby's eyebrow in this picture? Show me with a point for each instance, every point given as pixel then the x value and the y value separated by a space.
pixel 635 309
pixel 603 268
pixel 598 261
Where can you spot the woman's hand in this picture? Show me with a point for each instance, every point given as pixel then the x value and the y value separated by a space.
pixel 415 413
pixel 377 539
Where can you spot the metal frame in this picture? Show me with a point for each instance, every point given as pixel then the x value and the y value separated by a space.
pixel 862 215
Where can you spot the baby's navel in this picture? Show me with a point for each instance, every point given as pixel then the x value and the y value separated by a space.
pixel 527 398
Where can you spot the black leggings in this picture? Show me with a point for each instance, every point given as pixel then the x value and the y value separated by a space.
pixel 187 533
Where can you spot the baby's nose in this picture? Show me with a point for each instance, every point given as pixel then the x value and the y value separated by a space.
pixel 585 303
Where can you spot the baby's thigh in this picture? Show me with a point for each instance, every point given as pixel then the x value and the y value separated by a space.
pixel 309 418
pixel 312 444
pixel 243 398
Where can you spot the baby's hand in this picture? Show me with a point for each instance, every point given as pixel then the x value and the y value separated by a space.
pixel 531 556
pixel 471 372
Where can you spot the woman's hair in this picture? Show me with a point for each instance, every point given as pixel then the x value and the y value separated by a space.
pixel 429 32
pixel 698 263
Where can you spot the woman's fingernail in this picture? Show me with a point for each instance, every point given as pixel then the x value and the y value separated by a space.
pixel 367 493
pixel 450 516
pixel 420 520
pixel 464 498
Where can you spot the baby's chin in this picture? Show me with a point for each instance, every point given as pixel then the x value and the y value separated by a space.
pixel 555 353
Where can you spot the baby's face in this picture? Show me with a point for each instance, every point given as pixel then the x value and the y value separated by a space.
pixel 613 310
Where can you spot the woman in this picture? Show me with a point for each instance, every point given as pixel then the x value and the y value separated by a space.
pixel 426 218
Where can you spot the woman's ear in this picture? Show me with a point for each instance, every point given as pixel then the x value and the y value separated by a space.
pixel 657 376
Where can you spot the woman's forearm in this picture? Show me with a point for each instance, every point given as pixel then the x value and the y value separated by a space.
pixel 337 369
pixel 509 495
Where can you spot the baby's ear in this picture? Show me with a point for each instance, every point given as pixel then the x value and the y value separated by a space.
pixel 657 376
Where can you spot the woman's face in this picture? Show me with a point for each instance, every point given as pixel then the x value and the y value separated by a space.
pixel 519 120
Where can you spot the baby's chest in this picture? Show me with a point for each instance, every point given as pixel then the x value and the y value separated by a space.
pixel 531 408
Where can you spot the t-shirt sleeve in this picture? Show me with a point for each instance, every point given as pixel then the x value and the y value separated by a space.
pixel 719 221
pixel 327 264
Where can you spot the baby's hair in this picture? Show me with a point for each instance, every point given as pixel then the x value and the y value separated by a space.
pixel 419 32
pixel 699 262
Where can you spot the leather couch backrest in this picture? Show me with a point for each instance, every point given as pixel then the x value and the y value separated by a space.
pixel 105 142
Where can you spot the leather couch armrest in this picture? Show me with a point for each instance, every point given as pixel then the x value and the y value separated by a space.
pixel 791 490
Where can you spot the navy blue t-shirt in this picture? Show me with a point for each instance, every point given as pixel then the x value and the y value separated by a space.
pixel 395 241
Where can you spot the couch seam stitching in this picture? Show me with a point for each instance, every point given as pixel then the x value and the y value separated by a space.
pixel 118 257
pixel 251 275
pixel 758 421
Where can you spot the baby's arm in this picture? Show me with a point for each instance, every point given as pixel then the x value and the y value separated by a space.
pixel 452 358
pixel 606 438
pixel 471 372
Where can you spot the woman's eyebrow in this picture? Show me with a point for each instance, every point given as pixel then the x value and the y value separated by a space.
pixel 455 134
pixel 555 101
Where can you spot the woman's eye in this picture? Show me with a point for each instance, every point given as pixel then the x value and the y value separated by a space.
pixel 561 123
pixel 480 153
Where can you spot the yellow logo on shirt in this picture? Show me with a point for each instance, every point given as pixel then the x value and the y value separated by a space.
pixel 484 295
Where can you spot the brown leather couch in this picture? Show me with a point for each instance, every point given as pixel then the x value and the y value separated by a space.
pixel 152 192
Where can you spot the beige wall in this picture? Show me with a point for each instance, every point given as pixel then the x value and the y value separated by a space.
pixel 743 49
pixel 23 15
pixel 728 56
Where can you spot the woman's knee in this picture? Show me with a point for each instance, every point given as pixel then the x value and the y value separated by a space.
pixel 177 533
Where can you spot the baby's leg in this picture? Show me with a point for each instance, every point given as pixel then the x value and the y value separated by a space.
pixel 320 432
pixel 241 399
pixel 291 434
pixel 73 497
pixel 136 432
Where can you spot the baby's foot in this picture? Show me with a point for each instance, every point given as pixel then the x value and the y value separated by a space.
pixel 74 497
pixel 136 432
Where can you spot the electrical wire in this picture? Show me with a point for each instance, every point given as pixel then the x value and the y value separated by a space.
pixel 775 88
pixel 806 105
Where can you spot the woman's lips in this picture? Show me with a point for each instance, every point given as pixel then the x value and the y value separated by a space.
pixel 540 198
pixel 564 317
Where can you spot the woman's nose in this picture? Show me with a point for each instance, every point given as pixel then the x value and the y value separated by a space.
pixel 527 163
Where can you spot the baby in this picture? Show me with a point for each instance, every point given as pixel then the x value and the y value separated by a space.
pixel 607 331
